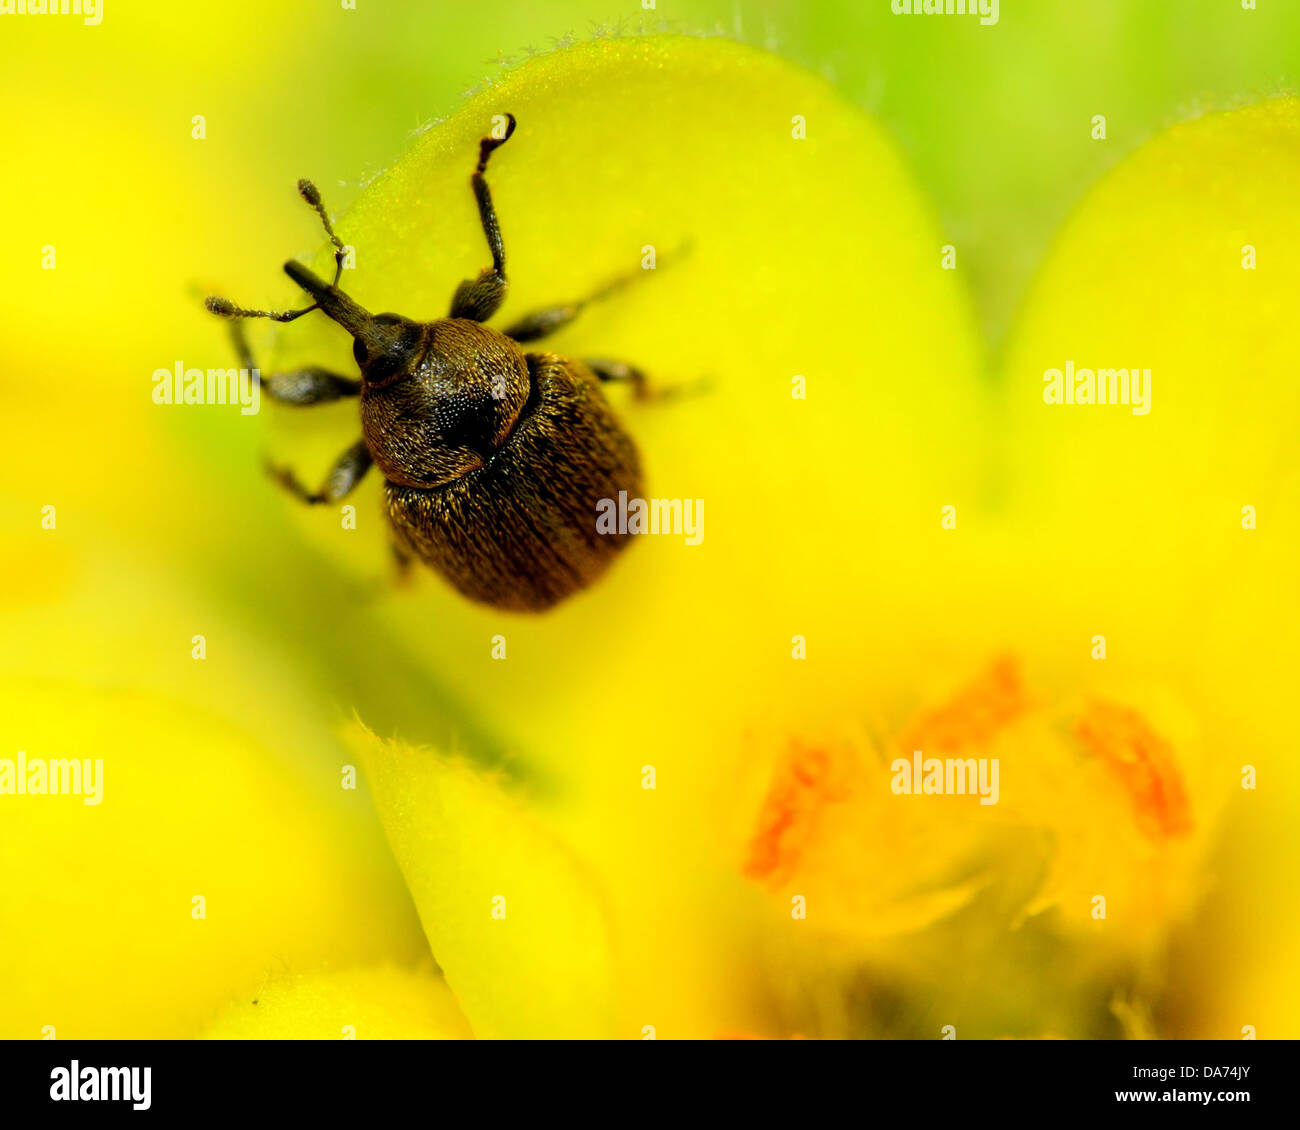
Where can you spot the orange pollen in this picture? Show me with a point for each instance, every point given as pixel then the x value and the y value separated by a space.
pixel 974 714
pixel 801 788
pixel 1143 762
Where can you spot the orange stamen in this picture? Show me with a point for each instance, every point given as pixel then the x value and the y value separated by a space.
pixel 1143 762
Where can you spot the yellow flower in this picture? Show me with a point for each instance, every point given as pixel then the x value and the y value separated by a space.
pixel 611 833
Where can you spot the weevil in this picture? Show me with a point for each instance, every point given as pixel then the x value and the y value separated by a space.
pixel 494 458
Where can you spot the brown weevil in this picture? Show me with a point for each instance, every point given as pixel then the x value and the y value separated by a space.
pixel 494 459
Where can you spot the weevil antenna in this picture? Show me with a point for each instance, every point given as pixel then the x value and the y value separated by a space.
pixel 224 308
pixel 310 193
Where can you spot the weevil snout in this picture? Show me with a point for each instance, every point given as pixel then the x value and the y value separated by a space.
pixel 384 344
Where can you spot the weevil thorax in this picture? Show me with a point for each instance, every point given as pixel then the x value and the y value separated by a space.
pixel 438 398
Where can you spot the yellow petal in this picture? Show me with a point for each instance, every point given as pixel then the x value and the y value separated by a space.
pixel 206 864
pixel 1184 261
pixel 1153 271
pixel 376 1003
pixel 515 921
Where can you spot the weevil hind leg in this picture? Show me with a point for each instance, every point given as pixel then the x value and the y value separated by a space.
pixel 403 562
pixel 479 298
pixel 348 471
pixel 299 387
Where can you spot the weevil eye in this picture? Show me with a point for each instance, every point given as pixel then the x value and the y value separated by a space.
pixel 387 347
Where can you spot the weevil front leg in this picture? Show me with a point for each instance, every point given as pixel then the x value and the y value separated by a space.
pixel 480 298
pixel 348 470
pixel 300 387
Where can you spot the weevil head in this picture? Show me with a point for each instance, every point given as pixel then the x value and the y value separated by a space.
pixel 389 348
pixel 386 346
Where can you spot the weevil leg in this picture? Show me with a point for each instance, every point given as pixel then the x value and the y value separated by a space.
pixel 348 470
pixel 305 387
pixel 642 389
pixel 300 387
pixel 538 324
pixel 480 298
pixel 608 370
pixel 403 563
pixel 378 588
